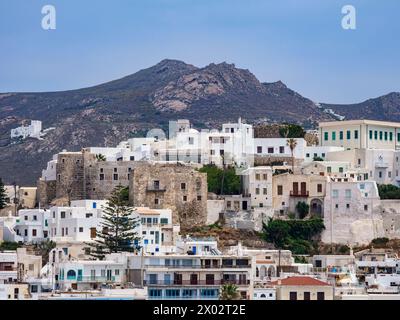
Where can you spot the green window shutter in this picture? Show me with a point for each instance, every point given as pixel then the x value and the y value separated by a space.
pixel 370 134
pixel 326 136
pixel 348 133
pixel 333 135
pixel 341 135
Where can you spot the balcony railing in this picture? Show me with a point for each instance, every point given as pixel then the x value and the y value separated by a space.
pixel 155 188
pixel 299 193
pixel 195 282
pixel 196 266
pixel 90 279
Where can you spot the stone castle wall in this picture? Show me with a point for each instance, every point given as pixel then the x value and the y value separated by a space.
pixel 189 205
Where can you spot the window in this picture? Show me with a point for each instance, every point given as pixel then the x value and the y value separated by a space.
pixel 355 134
pixel 257 190
pixel 264 190
pixel 335 193
pixel 80 229
pixel 259 149
pixel 348 134
pixel 391 136
pixel 257 176
pixel 340 169
pixel 183 186
pixel 376 135
pixel 320 295
pixel 333 135
pixel 115 177
pixel 101 176
pixel 191 140
pixel 184 198
pixel 307 155
pixel 365 207
pixel 347 205
pixel 307 296
pixel 326 136
pixel 280 190
pixel 348 193
pixel 386 136
pixel 293 295
pixel 398 136
pixel 370 134
pixel 281 149
pixel 34 218
pixel 380 135
pixel 34 232
pixel 336 206
pixel 329 169
pixel 198 198
pixel 380 174
pixel 156 201
pixel 26 218
pixel 319 187
pixel 323 155
pixel 265 176
pixel 26 232
pixel 341 135
pixel 62 214
pixel 270 150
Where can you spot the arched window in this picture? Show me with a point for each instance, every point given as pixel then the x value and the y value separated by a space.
pixel 262 295
pixel 71 275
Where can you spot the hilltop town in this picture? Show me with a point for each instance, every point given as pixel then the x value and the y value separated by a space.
pixel 227 213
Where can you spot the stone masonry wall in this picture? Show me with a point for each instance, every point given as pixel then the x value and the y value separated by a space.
pixel 189 205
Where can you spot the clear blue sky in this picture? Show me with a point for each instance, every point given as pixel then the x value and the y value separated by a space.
pixel 300 42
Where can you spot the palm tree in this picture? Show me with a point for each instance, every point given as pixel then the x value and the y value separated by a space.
pixel 229 292
pixel 100 157
pixel 292 143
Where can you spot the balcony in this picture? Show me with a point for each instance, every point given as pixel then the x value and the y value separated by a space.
pixel 381 165
pixel 197 266
pixel 195 282
pixel 90 279
pixel 155 188
pixel 300 193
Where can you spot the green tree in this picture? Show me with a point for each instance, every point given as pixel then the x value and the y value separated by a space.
pixel 221 181
pixel 117 234
pixel 302 208
pixel 276 232
pixel 292 131
pixel 3 195
pixel 388 191
pixel 229 291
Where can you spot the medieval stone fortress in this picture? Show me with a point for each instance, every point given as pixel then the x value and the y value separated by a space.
pixel 229 213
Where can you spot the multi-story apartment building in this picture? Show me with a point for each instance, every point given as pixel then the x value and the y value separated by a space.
pixel 360 134
pixel 156 231
pixel 257 185
pixel 380 165
pixel 77 223
pixel 351 212
pixel 33 225
pixel 89 274
pixel 290 189
pixel 192 276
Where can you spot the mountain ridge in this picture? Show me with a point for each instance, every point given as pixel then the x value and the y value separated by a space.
pixel 105 114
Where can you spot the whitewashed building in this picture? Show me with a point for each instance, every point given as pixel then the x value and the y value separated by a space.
pixel 33 225
pixel 33 130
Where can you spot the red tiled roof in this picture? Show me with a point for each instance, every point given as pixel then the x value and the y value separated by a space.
pixel 300 281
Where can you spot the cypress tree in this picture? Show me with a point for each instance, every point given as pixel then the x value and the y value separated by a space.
pixel 117 227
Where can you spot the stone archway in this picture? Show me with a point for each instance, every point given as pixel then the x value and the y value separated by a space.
pixel 317 208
